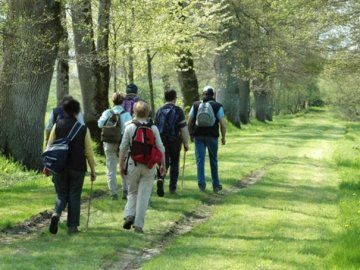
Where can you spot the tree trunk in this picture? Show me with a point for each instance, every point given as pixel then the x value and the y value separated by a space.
pixel 166 82
pixel 94 94
pixel 62 65
pixel 103 43
pixel 263 102
pixel 227 89
pixel 187 78
pixel 150 80
pixel 30 50
pixel 244 106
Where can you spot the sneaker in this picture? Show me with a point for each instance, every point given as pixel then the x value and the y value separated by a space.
pixel 53 228
pixel 114 197
pixel 217 189
pixel 128 222
pixel 160 187
pixel 138 229
pixel 124 194
pixel 73 230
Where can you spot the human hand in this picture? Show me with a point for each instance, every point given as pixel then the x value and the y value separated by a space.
pixel 186 147
pixel 223 141
pixel 162 170
pixel 122 170
pixel 93 176
pixel 46 172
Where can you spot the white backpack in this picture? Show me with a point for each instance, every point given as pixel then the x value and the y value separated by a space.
pixel 205 116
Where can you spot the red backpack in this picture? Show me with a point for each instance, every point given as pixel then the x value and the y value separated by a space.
pixel 143 148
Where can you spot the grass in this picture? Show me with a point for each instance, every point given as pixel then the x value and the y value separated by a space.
pixel 294 217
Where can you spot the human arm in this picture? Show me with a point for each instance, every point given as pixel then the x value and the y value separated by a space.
pixel 160 146
pixel 190 122
pixel 221 116
pixel 103 118
pixel 89 155
pixel 49 127
pixel 124 148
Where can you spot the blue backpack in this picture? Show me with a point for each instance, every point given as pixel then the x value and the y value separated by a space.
pixel 55 156
pixel 166 120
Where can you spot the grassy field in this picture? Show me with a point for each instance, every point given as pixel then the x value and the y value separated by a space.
pixel 295 216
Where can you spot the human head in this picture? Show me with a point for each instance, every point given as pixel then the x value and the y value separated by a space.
pixel 141 109
pixel 170 95
pixel 208 91
pixel 65 98
pixel 117 98
pixel 131 89
pixel 71 107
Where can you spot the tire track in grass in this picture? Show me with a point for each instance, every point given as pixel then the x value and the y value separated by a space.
pixel 133 259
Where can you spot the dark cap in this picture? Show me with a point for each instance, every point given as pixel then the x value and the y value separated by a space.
pixel 208 91
pixel 131 89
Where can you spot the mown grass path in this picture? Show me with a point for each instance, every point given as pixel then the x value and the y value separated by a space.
pixel 288 219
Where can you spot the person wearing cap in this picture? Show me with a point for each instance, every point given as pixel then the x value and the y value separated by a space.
pixel 112 149
pixel 131 98
pixel 207 137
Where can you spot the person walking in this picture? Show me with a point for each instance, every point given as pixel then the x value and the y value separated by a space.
pixel 140 177
pixel 111 147
pixel 131 98
pixel 69 183
pixel 58 113
pixel 170 120
pixel 204 120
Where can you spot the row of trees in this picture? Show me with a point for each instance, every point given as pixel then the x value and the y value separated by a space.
pixel 272 49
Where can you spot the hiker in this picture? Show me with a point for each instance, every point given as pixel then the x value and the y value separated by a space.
pixel 111 145
pixel 170 120
pixel 140 177
pixel 131 98
pixel 69 183
pixel 57 114
pixel 204 119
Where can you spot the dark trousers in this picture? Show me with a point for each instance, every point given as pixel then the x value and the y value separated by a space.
pixel 68 187
pixel 172 159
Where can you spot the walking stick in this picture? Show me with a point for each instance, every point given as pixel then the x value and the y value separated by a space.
pixel 88 212
pixel 183 171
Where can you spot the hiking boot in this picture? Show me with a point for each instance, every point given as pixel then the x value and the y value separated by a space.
pixel 172 192
pixel 53 228
pixel 217 189
pixel 160 188
pixel 202 188
pixel 138 229
pixel 114 197
pixel 124 194
pixel 73 230
pixel 128 222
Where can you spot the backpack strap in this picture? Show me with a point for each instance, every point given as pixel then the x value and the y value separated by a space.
pixel 74 130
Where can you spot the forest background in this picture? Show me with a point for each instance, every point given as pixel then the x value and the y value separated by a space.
pixel 262 57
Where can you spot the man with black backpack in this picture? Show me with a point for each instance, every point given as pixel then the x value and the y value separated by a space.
pixel 204 120
pixel 170 120
pixel 112 122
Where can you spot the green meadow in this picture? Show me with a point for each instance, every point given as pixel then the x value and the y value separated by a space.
pixel 302 212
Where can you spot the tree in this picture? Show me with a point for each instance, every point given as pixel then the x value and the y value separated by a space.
pixel 30 49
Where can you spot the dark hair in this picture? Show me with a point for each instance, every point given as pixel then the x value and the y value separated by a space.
pixel 71 107
pixel 65 98
pixel 131 89
pixel 118 98
pixel 170 95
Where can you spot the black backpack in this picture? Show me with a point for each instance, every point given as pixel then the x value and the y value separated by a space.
pixel 166 121
pixel 111 131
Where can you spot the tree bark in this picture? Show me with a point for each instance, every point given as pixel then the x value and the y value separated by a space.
pixel 244 96
pixel 150 80
pixel 103 42
pixel 62 65
pixel 263 102
pixel 30 50
pixel 94 94
pixel 166 82
pixel 187 78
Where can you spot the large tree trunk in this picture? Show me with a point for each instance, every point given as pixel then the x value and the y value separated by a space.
pixel 187 78
pixel 263 102
pixel 30 50
pixel 94 94
pixel 227 89
pixel 103 42
pixel 62 65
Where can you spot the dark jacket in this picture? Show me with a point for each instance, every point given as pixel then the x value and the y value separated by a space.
pixel 76 159
pixel 206 131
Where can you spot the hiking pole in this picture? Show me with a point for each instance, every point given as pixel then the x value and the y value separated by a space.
pixel 183 171
pixel 88 212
